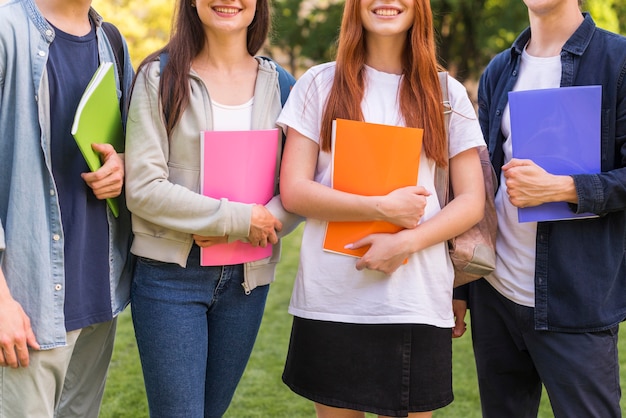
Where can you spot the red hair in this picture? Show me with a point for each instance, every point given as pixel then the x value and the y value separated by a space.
pixel 420 92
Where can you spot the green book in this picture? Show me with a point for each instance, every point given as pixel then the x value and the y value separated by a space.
pixel 98 120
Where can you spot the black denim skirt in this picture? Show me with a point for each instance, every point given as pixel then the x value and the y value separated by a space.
pixel 384 369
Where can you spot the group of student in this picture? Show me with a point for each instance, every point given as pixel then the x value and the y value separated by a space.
pixel 370 334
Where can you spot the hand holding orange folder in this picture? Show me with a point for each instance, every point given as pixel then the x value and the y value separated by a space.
pixel 370 160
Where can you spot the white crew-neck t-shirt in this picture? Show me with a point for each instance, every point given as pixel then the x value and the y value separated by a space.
pixel 328 286
pixel 232 118
pixel 514 276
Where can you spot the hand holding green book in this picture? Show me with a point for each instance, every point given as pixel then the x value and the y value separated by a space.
pixel 98 120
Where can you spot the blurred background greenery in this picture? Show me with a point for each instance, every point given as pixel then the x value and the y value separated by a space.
pixel 470 32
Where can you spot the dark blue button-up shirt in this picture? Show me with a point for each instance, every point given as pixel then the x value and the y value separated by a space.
pixel 580 266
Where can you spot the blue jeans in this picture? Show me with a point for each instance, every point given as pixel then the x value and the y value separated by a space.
pixel 580 371
pixel 195 328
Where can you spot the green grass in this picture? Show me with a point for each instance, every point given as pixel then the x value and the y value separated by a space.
pixel 261 393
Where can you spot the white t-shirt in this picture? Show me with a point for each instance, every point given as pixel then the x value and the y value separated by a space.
pixel 328 286
pixel 514 276
pixel 232 118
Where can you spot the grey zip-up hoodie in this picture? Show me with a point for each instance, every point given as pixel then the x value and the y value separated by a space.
pixel 163 175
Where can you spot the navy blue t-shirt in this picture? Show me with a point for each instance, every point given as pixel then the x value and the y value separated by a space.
pixel 72 62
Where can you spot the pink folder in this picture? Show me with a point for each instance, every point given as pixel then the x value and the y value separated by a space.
pixel 240 166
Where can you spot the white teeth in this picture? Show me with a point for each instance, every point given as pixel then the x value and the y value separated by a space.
pixel 225 10
pixel 386 12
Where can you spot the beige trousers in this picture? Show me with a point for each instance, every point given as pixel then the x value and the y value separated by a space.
pixel 62 382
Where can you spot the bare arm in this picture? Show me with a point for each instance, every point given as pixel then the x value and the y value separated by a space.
pixel 459 308
pixel 388 251
pixel 530 185
pixel 301 194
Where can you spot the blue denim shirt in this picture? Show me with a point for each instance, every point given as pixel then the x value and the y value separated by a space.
pixel 31 234
pixel 580 267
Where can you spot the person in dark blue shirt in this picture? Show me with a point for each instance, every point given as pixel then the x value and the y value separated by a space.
pixel 550 312
pixel 64 257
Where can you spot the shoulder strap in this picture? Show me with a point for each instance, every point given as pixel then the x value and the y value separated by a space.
pixel 285 80
pixel 442 174
pixel 115 39
pixel 447 107
pixel 163 57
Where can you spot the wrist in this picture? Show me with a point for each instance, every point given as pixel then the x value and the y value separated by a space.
pixel 564 190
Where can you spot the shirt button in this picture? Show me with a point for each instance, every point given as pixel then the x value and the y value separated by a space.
pixel 51 192
pixel 56 237
pixel 49 32
pixel 58 287
pixel 41 53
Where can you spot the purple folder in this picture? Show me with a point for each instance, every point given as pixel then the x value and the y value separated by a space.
pixel 559 129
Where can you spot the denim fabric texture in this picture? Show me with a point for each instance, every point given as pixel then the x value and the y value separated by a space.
pixel 195 330
pixel 31 253
pixel 580 267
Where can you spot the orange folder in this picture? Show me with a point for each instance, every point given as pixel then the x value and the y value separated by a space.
pixel 370 160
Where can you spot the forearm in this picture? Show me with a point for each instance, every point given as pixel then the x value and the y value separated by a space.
pixel 559 189
pixel 289 220
pixel 463 212
pixel 314 200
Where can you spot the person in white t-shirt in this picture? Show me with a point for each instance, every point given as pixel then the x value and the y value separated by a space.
pixel 373 333
pixel 547 319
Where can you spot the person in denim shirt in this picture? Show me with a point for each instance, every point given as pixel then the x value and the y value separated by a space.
pixel 550 312
pixel 64 258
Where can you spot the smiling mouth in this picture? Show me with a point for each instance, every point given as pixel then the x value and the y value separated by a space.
pixel 386 12
pixel 226 10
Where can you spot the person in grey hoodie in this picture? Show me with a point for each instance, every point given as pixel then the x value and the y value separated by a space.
pixel 196 325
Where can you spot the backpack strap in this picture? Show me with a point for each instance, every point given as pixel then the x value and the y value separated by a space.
pixel 163 57
pixel 442 180
pixel 447 107
pixel 115 39
pixel 285 80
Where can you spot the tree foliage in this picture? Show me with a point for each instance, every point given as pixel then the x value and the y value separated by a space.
pixel 305 32
pixel 469 32
pixel 145 25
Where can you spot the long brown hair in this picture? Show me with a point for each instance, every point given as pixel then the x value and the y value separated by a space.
pixel 420 93
pixel 186 42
